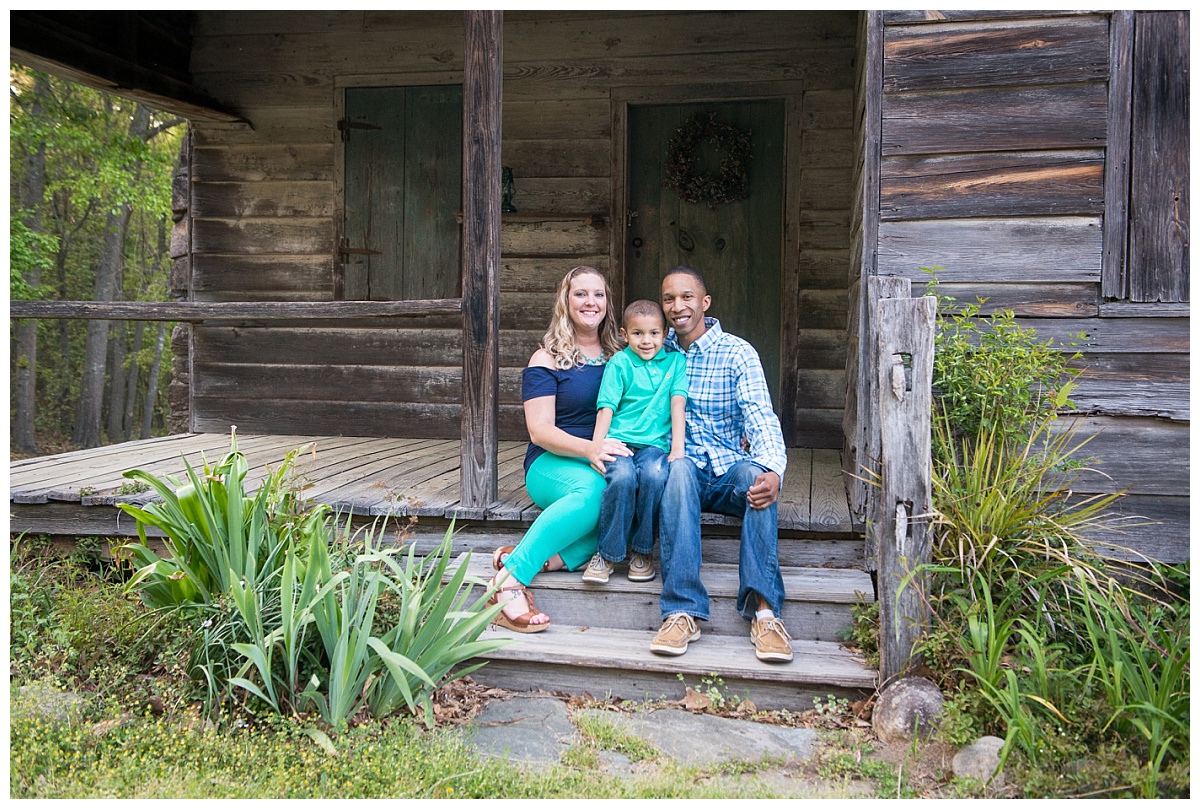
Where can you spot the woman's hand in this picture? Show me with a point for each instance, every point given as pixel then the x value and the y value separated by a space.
pixel 605 450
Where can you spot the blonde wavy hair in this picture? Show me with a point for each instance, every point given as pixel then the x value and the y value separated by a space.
pixel 559 339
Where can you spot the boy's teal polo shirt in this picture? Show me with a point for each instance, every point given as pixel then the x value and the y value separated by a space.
pixel 639 393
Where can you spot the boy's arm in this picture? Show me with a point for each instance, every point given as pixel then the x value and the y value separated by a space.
pixel 678 407
pixel 604 418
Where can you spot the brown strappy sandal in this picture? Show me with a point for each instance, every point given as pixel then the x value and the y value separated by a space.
pixel 500 553
pixel 522 622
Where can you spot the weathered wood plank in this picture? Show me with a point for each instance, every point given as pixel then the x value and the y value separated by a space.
pixel 1025 52
pixel 230 311
pixel 552 238
pixel 259 163
pixel 376 419
pixel 344 383
pixel 1115 335
pixel 994 119
pixel 795 495
pixel 263 235
pixel 1069 249
pixel 830 510
pixel 1039 300
pixel 262 199
pixel 284 276
pixel 923 17
pixel 900 511
pixel 1151 526
pixel 1161 466
pixel 368 346
pixel 1117 150
pixel 560 157
pixel 1160 200
pixel 1002 184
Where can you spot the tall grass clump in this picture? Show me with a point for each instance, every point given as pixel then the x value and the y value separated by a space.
pixel 1039 635
pixel 294 615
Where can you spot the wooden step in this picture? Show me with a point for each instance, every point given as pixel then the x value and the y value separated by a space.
pixel 817 604
pixel 618 663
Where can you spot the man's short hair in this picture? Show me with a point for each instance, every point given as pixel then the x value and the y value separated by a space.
pixel 694 273
pixel 643 308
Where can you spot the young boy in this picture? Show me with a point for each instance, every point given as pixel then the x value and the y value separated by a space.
pixel 641 402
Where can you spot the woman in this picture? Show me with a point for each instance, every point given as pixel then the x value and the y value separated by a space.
pixel 559 388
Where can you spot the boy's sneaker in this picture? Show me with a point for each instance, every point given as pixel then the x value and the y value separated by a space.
pixel 598 570
pixel 641 567
pixel 676 633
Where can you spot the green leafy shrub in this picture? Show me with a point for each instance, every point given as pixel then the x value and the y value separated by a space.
pixel 990 372
pixel 286 606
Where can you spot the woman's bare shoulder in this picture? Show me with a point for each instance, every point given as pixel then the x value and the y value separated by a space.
pixel 542 359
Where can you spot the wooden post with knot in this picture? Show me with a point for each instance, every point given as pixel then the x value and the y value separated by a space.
pixel 900 512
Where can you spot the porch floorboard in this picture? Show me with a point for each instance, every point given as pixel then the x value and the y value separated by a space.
pixel 368 477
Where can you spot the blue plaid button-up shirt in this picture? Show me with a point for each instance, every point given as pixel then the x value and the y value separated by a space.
pixel 728 399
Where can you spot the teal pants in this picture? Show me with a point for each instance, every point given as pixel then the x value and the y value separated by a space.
pixel 568 491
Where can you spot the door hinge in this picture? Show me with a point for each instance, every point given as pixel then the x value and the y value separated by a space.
pixel 345 125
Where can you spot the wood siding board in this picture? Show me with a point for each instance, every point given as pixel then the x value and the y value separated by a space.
pixel 1022 299
pixel 263 235
pixel 1026 52
pixel 998 184
pixel 1148 526
pixel 263 163
pixel 262 199
pixel 1117 165
pixel 316 124
pixel 926 17
pixel 1159 206
pixel 1115 335
pixel 280 274
pixel 1161 467
pixel 995 119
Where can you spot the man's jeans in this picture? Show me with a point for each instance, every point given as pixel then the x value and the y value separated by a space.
pixel 629 508
pixel 691 490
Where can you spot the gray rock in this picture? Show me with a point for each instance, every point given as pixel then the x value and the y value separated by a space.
pixel 52 703
pixel 979 760
pixel 527 730
pixel 703 739
pixel 906 707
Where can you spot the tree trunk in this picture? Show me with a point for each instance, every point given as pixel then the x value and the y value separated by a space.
pixel 25 370
pixel 108 275
pixel 133 376
pixel 152 385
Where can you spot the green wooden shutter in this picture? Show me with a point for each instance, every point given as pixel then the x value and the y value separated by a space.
pixel 403 186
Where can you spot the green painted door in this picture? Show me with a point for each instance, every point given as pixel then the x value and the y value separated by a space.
pixel 403 186
pixel 736 245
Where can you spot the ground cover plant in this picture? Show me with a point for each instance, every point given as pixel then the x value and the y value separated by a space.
pixel 1081 664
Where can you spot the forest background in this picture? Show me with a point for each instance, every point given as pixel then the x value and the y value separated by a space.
pixel 90 178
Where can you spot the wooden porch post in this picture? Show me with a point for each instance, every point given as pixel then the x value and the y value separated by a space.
pixel 483 58
pixel 900 512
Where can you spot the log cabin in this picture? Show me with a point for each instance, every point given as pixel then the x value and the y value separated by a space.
pixel 347 262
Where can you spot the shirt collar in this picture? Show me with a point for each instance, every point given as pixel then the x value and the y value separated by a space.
pixel 633 355
pixel 711 334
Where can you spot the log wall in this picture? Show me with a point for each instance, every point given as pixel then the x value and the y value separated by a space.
pixel 994 138
pixel 266 208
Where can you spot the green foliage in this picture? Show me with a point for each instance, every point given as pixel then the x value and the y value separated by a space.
pixel 1037 638
pixel 289 609
pixel 991 373
pixel 29 255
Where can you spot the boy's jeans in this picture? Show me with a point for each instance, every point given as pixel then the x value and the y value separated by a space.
pixel 629 508
pixel 691 490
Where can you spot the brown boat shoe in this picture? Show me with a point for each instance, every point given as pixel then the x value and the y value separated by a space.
pixel 770 640
pixel 676 633
pixel 641 567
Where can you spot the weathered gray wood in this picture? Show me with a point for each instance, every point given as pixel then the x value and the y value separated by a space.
pixel 1160 197
pixel 999 184
pixel 994 119
pixel 1160 467
pixel 902 510
pixel 1117 164
pixel 1023 52
pixel 230 311
pixel 483 58
pixel 926 17
pixel 1023 300
pixel 993 250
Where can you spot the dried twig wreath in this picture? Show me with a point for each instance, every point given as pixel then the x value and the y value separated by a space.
pixel 730 184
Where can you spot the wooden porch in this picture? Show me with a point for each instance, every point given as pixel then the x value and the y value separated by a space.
pixel 600 639
pixel 76 493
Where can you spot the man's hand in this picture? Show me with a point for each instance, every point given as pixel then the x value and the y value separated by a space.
pixel 765 490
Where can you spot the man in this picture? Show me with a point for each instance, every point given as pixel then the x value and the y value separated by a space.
pixel 728 404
